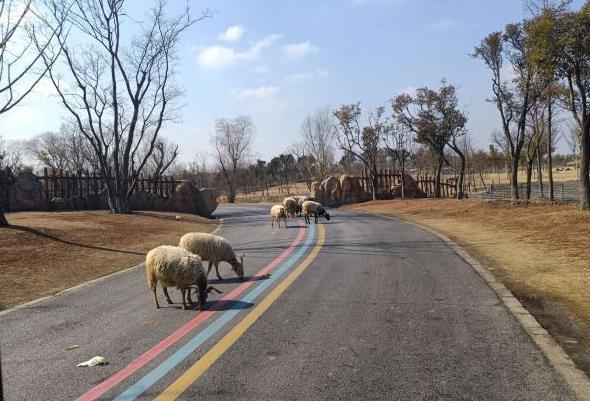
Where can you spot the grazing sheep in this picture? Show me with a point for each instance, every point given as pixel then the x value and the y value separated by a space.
pixel 215 249
pixel 300 199
pixel 174 266
pixel 292 206
pixel 314 208
pixel 278 212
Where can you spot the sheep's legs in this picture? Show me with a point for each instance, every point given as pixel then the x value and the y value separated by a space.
pixel 209 269
pixel 155 297
pixel 183 292
pixel 188 296
pixel 217 271
pixel 165 289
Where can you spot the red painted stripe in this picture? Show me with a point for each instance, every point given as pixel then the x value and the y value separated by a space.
pixel 140 361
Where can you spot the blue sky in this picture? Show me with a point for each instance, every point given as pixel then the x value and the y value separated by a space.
pixel 278 61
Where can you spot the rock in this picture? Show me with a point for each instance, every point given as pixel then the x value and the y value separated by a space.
pixel 26 193
pixel 317 192
pixel 331 188
pixel 188 199
pixel 61 204
pixel 207 202
pixel 142 200
pixel 411 189
pixel 351 190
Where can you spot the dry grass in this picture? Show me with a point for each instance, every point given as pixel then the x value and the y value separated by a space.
pixel 43 253
pixel 275 194
pixel 539 251
pixel 502 178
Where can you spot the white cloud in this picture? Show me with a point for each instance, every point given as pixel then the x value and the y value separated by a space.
pixel 299 50
pixel 443 25
pixel 261 69
pixel 221 56
pixel 262 92
pixel 232 34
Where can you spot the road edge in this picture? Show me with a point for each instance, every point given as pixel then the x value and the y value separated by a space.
pixel 558 358
pixel 85 284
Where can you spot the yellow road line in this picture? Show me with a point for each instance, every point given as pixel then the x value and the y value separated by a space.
pixel 201 366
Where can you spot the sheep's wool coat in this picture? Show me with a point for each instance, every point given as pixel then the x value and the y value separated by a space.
pixel 173 267
pixel 311 206
pixel 209 247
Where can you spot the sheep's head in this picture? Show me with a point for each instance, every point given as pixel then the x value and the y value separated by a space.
pixel 238 267
pixel 322 212
pixel 202 294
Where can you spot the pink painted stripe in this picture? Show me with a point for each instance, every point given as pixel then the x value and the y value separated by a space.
pixel 140 361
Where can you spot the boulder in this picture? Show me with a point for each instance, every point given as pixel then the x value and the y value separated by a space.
pixel 207 202
pixel 189 199
pixel 351 190
pixel 26 193
pixel 331 189
pixel 142 200
pixel 411 189
pixel 317 192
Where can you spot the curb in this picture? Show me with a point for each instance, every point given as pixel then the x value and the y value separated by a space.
pixel 560 360
pixel 82 285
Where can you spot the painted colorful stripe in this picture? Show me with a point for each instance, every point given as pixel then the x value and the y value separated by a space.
pixel 201 366
pixel 147 356
pixel 166 366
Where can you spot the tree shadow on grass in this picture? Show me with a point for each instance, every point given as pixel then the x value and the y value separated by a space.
pixel 67 242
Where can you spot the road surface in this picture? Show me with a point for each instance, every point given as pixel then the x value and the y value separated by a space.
pixel 358 308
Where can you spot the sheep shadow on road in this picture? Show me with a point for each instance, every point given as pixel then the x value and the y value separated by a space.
pixel 225 305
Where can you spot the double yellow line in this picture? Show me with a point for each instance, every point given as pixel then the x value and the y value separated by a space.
pixel 201 366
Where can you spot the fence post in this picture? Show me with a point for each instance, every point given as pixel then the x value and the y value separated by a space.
pixel 562 199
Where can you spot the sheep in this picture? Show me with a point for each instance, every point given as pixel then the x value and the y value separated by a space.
pixel 278 212
pixel 315 208
pixel 215 249
pixel 300 199
pixel 174 266
pixel 292 206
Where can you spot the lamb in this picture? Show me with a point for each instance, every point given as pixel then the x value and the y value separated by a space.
pixel 314 208
pixel 292 206
pixel 215 249
pixel 174 266
pixel 278 212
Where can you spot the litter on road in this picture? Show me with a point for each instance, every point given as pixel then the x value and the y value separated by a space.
pixel 72 347
pixel 96 361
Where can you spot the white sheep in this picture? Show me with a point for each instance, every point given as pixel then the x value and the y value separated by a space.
pixel 315 209
pixel 278 212
pixel 177 267
pixel 215 249
pixel 292 206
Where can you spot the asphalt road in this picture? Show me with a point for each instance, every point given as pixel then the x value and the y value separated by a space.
pixel 386 311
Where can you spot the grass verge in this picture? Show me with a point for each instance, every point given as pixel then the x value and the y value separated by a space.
pixel 45 252
pixel 539 251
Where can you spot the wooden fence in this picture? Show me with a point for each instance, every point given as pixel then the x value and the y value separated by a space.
pixel 388 178
pixel 63 184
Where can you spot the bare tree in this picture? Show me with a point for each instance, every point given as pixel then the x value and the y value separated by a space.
pixel 21 67
pixel 399 143
pixel 512 101
pixel 317 132
pixel 233 141
pixel 119 85
pixel 572 138
pixel 363 143
pixel 161 159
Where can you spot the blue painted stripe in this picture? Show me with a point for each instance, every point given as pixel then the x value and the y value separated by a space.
pixel 161 370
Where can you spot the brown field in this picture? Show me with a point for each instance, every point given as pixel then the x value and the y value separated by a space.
pixel 540 251
pixel 275 194
pixel 45 252
pixel 502 178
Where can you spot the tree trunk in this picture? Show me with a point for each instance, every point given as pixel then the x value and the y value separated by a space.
pixel 375 182
pixel 3 221
pixel 403 179
pixel 550 149
pixel 584 185
pixel 529 175
pixel 540 172
pixel 437 179
pixel 514 178
pixel 461 177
